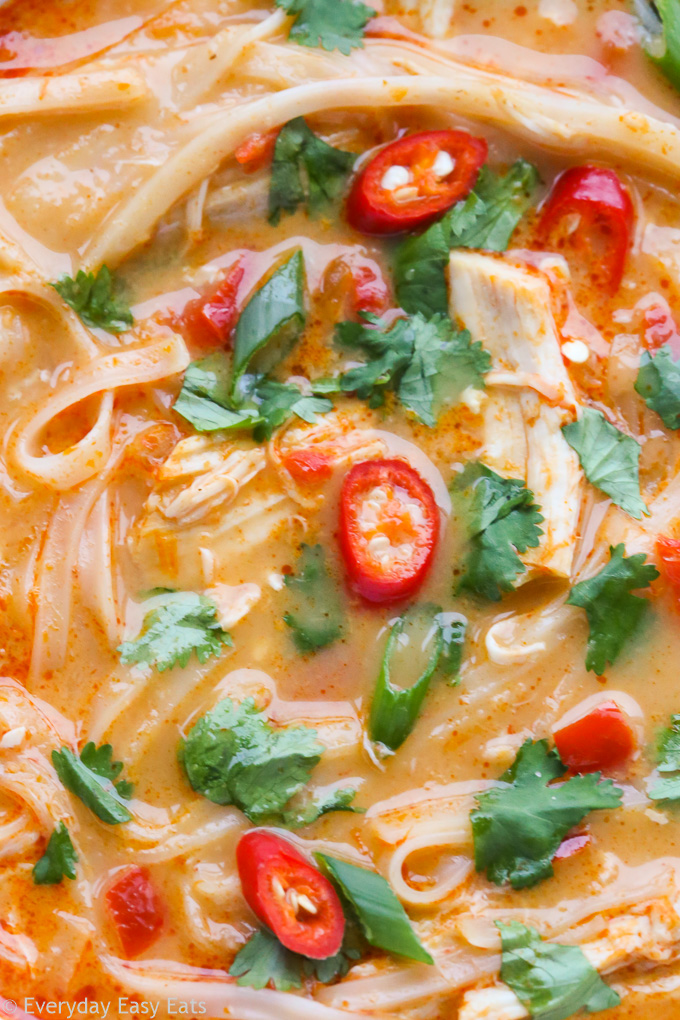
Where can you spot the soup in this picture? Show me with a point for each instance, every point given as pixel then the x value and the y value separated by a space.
pixel 339 509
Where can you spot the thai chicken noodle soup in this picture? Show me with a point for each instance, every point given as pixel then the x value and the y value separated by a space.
pixel 340 509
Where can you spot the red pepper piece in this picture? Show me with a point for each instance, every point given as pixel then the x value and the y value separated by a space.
pixel 668 551
pixel 388 546
pixel 374 209
pixel 135 907
pixel 600 741
pixel 289 895
pixel 604 208
pixel 310 467
pixel 256 151
pixel 208 321
pixel 571 846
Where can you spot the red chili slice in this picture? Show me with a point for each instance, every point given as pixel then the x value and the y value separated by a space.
pixel 600 741
pixel 603 205
pixel 438 168
pixel 207 321
pixel 136 910
pixel 289 895
pixel 389 525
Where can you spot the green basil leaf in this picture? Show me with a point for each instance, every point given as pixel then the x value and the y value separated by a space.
pixel 661 39
pixel 413 648
pixel 97 792
pixel 382 918
pixel 552 981
pixel 610 459
pixel 658 383
pixel 272 320
pixel 204 399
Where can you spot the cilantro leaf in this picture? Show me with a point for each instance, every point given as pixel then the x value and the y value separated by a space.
pixel 382 919
pixel 100 761
pixel 485 219
pixel 183 624
pixel 58 861
pixel 263 960
pixel 501 520
pixel 428 362
pixel 299 150
pixel 317 618
pixel 517 828
pixel 303 810
pixel 610 459
pixel 233 756
pixel 667 787
pixel 334 26
pixel 613 613
pixel 552 981
pixel 94 300
pixel 90 777
pixel 277 401
pixel 658 383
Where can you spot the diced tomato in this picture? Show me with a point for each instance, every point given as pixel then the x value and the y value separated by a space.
pixel 600 741
pixel 668 551
pixel 289 895
pixel 256 151
pixel 389 526
pixel 604 212
pixel 370 290
pixel 352 284
pixel 415 179
pixel 136 910
pixel 571 846
pixel 661 329
pixel 208 321
pixel 310 467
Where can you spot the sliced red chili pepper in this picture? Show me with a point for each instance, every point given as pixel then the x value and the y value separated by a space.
pixel 571 846
pixel 256 151
pixel 415 179
pixel 600 741
pixel 289 895
pixel 311 467
pixel 207 321
pixel 603 206
pixel 389 525
pixel 136 910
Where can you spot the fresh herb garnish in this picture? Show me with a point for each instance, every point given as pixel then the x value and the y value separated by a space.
pixel 271 321
pixel 59 860
pixel 414 648
pixel 660 22
pixel 609 458
pixel 93 298
pixel 453 627
pixel 263 960
pixel 486 219
pixel 306 807
pixel 428 363
pixel 184 624
pixel 305 168
pixel 501 520
pixel 91 777
pixel 517 828
pixel 667 787
pixel 334 26
pixel 552 981
pixel 658 383
pixel 614 614
pixel 233 756
pixel 317 618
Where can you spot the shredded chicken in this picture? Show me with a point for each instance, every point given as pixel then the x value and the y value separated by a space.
pixel 508 308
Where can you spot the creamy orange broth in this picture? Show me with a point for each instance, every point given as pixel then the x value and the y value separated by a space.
pixel 65 180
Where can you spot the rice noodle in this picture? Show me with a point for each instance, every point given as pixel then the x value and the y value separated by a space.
pixel 556 117
pixel 71 93
pixel 456 870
